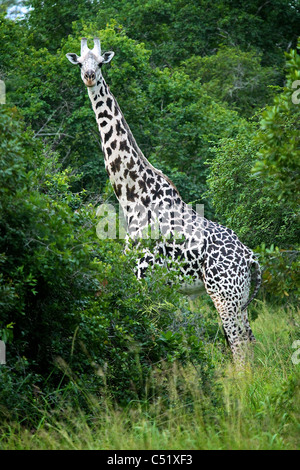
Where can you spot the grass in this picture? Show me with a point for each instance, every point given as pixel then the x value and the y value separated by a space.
pixel 257 408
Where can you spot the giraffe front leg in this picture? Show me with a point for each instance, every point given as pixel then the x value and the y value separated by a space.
pixel 143 263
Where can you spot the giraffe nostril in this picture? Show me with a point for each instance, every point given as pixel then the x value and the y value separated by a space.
pixel 89 75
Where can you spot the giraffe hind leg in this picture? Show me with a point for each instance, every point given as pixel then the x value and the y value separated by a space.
pixel 236 329
pixel 250 334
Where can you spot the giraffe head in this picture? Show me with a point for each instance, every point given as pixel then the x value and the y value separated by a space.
pixel 90 61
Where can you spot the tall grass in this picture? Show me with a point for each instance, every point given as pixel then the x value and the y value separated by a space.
pixel 254 408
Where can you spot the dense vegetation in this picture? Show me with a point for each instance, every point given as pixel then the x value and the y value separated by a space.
pixel 211 93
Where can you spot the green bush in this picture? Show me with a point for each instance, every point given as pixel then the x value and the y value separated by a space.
pixel 72 311
pixel 281 273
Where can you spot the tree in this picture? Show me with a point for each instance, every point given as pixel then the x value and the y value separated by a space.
pixel 244 201
pixel 9 4
pixel 45 267
pixel 278 139
pixel 51 21
pixel 176 30
pixel 235 77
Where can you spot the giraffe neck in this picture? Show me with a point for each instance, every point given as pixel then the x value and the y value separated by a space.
pixel 135 181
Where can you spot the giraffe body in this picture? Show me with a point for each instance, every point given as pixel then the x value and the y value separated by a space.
pixel 209 253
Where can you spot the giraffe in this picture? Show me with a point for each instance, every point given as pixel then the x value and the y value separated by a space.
pixel 209 253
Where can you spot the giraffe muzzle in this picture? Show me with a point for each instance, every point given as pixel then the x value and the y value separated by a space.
pixel 89 78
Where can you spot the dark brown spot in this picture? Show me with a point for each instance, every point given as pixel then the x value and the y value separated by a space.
pixel 116 165
pixel 109 103
pixel 130 164
pixel 133 175
pixel 124 146
pixel 119 128
pixel 143 186
pixel 170 192
pixel 157 191
pixel 117 189
pixel 131 194
pixel 108 135
pixel 146 201
pixel 104 114
pixel 150 181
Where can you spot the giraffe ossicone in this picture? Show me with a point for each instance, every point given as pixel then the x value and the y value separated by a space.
pixel 209 253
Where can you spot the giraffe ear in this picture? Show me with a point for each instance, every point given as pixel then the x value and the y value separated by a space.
pixel 73 58
pixel 107 56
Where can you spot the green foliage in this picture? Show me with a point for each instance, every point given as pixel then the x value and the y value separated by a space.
pixel 40 247
pixel 54 102
pixel 234 76
pixel 279 154
pixel 254 409
pixel 281 276
pixel 72 299
pixel 6 333
pixel 175 30
pixel 189 123
pixel 11 35
pixel 51 21
pixel 52 99
pixel 188 76
pixel 14 7
pixel 245 202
